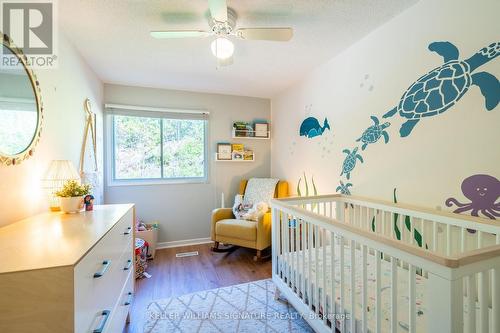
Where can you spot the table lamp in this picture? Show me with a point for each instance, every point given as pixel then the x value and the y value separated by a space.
pixel 58 173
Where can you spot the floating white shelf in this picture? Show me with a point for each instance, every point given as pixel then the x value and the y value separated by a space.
pixel 237 161
pixel 250 136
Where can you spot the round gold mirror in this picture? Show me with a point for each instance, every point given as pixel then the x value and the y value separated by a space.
pixel 21 111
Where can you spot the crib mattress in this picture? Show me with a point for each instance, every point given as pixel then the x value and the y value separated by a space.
pixel 402 287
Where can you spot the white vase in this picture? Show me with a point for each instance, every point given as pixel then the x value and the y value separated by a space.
pixel 71 205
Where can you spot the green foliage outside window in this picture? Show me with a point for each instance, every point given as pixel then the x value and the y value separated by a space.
pixel 152 148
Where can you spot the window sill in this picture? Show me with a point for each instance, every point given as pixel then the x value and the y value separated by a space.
pixel 153 182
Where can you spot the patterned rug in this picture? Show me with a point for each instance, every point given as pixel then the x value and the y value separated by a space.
pixel 248 307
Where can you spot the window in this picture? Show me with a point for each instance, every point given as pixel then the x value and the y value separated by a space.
pixel 152 145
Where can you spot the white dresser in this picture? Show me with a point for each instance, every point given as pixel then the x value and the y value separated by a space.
pixel 68 272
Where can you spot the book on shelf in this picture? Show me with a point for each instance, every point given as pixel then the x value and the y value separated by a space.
pixel 238 147
pixel 248 155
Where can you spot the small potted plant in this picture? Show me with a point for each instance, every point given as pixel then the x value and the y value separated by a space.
pixel 71 196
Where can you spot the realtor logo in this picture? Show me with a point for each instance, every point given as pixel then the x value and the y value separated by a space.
pixel 30 25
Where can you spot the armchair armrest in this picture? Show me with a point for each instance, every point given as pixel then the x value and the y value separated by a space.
pixel 219 214
pixel 264 231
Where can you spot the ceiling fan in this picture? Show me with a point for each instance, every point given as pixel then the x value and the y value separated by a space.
pixel 222 26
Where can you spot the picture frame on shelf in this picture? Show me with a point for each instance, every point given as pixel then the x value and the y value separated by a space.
pixel 261 130
pixel 224 151
pixel 248 155
pixel 238 155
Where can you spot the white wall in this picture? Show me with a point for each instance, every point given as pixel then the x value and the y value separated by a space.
pixel 368 79
pixel 183 210
pixel 63 92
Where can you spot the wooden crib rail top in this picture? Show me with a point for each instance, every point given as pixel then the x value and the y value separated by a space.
pixel 287 206
pixel 466 221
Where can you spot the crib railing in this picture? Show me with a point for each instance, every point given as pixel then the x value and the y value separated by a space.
pixel 332 255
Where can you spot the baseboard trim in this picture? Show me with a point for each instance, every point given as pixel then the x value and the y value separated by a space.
pixel 186 242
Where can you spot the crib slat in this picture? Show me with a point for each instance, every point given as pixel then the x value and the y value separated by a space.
pixel 412 232
pixel 378 305
pixel 413 312
pixel 302 258
pixel 483 302
pixel 495 299
pixel 423 233
pixel 283 218
pixel 471 304
pixel 296 254
pixel 462 240
pixel 448 239
pixel 394 295
pixel 316 272
pixel 325 312
pixel 309 264
pixel 365 291
pixel 333 309
pixel 290 254
pixel 353 287
pixel 382 222
pixel 342 281
pixel 434 236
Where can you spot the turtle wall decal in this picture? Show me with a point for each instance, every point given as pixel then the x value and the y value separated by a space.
pixel 310 127
pixel 374 132
pixel 350 161
pixel 344 188
pixel 438 90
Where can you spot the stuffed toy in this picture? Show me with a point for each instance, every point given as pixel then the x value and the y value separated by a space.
pixel 238 210
pixel 256 212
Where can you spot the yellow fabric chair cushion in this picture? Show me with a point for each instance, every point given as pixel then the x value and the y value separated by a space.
pixel 233 228
pixel 256 235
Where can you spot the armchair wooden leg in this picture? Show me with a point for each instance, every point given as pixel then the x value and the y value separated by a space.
pixel 258 255
pixel 215 247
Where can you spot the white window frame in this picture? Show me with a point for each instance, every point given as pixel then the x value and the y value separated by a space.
pixel 151 112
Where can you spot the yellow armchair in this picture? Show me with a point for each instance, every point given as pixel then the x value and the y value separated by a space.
pixel 255 235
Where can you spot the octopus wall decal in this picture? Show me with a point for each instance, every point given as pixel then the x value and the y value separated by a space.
pixel 483 191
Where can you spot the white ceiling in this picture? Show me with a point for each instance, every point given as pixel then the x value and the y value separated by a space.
pixel 113 36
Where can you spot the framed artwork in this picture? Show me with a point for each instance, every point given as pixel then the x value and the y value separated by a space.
pixel 261 130
pixel 238 155
pixel 224 151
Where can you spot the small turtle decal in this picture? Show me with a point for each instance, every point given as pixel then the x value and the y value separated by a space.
pixel 350 161
pixel 344 188
pixel 442 87
pixel 373 133
pixel 310 127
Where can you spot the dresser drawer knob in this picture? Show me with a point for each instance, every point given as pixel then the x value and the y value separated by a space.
pixel 129 299
pixel 128 231
pixel 105 266
pixel 128 265
pixel 105 316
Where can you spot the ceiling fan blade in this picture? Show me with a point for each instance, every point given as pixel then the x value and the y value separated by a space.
pixel 179 34
pixel 275 34
pixel 218 10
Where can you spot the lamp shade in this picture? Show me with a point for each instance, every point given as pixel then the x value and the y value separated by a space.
pixel 58 173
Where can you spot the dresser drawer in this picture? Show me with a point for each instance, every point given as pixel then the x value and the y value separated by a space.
pixel 100 276
pixel 122 307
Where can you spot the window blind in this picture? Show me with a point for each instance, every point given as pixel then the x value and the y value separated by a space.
pixel 153 112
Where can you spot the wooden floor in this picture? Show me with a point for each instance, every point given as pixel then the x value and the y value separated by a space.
pixel 173 276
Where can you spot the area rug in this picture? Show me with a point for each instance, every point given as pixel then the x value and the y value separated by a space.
pixel 248 307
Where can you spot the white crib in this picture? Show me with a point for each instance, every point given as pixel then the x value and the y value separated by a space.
pixel 413 270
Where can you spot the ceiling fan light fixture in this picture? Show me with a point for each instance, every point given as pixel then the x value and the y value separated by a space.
pixel 222 48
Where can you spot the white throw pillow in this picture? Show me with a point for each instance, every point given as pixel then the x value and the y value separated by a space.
pixel 259 190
